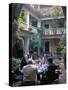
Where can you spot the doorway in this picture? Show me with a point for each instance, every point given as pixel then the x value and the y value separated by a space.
pixel 47 47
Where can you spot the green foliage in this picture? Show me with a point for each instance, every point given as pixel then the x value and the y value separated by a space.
pixel 16 62
pixel 15 25
pixel 21 17
pixel 54 11
pixel 30 29
pixel 41 30
pixel 62 45
pixel 15 65
pixel 35 41
pixel 17 34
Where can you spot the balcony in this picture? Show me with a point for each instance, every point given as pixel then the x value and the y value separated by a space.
pixel 23 27
pixel 50 33
pixel 54 33
pixel 33 29
pixel 24 31
pixel 43 12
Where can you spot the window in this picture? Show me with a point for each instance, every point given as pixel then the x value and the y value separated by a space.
pixel 34 23
pixel 46 25
pixel 35 6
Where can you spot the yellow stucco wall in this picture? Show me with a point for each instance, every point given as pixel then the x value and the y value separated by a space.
pixel 53 47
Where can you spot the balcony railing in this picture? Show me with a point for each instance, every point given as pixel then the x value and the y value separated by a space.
pixel 31 28
pixel 54 31
pixel 23 26
pixel 50 31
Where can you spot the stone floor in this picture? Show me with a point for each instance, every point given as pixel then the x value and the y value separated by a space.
pixel 62 76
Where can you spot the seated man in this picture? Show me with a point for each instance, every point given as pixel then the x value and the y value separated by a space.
pixel 30 74
pixel 50 74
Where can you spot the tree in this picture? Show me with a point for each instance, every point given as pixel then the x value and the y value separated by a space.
pixel 36 41
pixel 17 18
pixel 54 11
pixel 21 19
pixel 62 45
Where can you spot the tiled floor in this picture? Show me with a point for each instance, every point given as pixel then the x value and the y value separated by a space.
pixel 62 76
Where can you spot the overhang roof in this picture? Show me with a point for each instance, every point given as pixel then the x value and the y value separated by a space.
pixel 43 12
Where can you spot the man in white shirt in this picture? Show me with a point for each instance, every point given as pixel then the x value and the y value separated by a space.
pixel 30 74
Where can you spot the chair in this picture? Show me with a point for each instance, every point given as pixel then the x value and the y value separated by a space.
pixel 51 75
pixel 30 75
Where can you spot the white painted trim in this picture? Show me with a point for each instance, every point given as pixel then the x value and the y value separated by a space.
pixel 50 18
pixel 32 14
pixel 46 18
pixel 39 23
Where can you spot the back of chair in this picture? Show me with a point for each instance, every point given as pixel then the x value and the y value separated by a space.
pixel 57 72
pixel 50 76
pixel 30 73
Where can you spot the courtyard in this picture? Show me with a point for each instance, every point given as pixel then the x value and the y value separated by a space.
pixel 38 44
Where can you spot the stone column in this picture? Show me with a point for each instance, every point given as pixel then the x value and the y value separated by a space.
pixel 27 19
pixel 38 26
pixel 26 45
pixel 26 39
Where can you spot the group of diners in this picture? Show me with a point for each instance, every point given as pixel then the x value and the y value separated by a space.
pixel 37 72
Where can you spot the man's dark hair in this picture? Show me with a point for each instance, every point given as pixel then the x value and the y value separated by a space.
pixel 50 60
pixel 29 62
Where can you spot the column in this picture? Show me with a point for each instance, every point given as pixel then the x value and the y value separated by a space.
pixel 53 48
pixel 50 46
pixel 50 28
pixel 27 19
pixel 26 45
pixel 38 6
pixel 39 24
pixel 44 46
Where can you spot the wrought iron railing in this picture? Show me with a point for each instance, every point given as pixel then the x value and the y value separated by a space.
pixel 54 31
